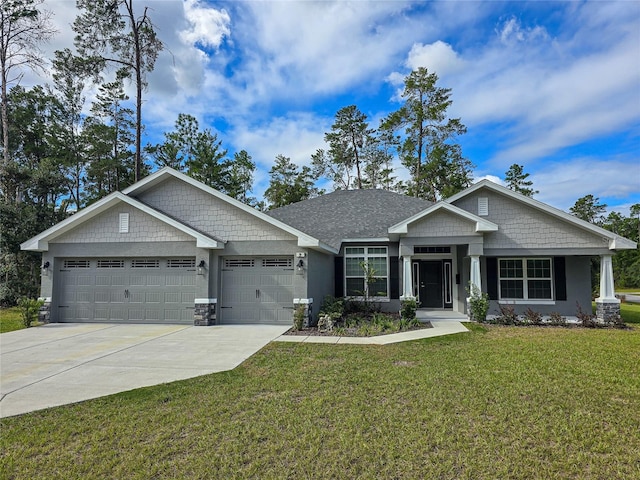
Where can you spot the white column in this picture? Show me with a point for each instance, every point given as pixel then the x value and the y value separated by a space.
pixel 607 289
pixel 407 279
pixel 476 278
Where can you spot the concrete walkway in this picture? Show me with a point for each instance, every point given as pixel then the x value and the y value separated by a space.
pixel 60 363
pixel 444 323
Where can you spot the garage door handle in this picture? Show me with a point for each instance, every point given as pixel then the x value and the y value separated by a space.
pixel 126 294
pixel 257 293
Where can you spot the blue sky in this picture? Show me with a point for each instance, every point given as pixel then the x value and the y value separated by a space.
pixel 553 86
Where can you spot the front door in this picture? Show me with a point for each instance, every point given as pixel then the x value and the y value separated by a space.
pixel 434 286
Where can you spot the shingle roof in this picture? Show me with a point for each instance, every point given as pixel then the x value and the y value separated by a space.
pixel 349 214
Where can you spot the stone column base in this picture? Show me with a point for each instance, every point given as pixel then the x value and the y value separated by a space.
pixel 205 312
pixel 607 310
pixel 44 314
pixel 307 303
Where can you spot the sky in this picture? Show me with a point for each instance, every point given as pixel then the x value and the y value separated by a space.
pixel 552 86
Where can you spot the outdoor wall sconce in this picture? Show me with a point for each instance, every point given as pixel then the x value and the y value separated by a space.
pixel 300 265
pixel 201 266
pixel 45 268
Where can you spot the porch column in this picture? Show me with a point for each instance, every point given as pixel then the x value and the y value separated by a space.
pixel 407 280
pixel 607 305
pixel 475 277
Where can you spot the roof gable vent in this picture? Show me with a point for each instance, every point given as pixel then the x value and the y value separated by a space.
pixel 483 206
pixel 124 223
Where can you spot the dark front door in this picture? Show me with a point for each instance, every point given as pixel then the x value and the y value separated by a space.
pixel 434 284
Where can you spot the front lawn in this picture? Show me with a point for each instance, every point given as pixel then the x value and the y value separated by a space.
pixel 499 402
pixel 630 312
pixel 10 319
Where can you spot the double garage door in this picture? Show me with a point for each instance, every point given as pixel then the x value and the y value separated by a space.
pixel 257 290
pixel 117 290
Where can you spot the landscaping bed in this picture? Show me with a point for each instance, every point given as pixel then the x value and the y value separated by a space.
pixel 364 326
pixel 346 317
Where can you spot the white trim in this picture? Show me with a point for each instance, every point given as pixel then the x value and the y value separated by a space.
pixel 205 300
pixel 45 299
pixel 482 225
pixel 527 302
pixel 616 242
pixel 365 240
pixel 40 243
pixel 302 301
pixel 304 240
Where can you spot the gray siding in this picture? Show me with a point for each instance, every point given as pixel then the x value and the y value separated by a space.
pixel 209 214
pixel 320 281
pixel 522 226
pixel 441 224
pixel 105 228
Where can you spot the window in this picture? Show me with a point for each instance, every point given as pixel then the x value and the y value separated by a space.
pixel 356 260
pixel 278 262
pixel 181 263
pixel 145 263
pixel 76 264
pixel 525 279
pixel 107 263
pixel 435 249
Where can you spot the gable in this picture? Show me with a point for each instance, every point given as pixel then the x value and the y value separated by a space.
pixel 208 213
pixel 523 226
pixel 105 228
pixel 441 224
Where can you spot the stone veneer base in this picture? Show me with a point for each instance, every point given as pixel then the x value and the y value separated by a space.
pixel 607 311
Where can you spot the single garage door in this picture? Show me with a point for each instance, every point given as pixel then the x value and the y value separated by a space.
pixel 257 290
pixel 117 290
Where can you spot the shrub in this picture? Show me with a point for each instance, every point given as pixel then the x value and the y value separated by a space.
pixel 478 303
pixel 408 309
pixel 587 319
pixel 298 317
pixel 533 317
pixel 507 315
pixel 333 307
pixel 556 319
pixel 29 308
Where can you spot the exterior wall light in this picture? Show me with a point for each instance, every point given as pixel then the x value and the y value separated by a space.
pixel 300 265
pixel 45 268
pixel 201 267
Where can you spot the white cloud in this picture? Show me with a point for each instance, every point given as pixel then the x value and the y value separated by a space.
pixel 512 31
pixel 562 183
pixel 207 25
pixel 491 178
pixel 438 57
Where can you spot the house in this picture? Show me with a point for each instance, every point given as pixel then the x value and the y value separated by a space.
pixel 170 249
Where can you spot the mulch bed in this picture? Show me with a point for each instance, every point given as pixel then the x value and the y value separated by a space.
pixel 347 332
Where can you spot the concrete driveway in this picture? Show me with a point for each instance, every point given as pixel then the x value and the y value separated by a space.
pixel 60 363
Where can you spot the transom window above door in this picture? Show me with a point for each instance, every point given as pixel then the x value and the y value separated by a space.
pixel 362 263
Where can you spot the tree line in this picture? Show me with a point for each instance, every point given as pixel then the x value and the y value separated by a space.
pixel 57 159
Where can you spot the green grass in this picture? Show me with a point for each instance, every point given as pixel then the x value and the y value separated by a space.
pixel 10 319
pixel 499 402
pixel 630 312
